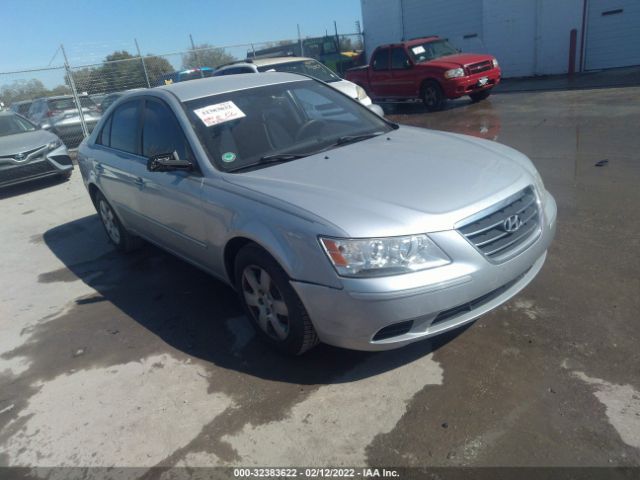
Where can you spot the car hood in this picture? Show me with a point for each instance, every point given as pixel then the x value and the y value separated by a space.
pixel 24 141
pixel 458 60
pixel 407 181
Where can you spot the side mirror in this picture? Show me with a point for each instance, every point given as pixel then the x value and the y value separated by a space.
pixel 408 64
pixel 167 162
pixel 377 109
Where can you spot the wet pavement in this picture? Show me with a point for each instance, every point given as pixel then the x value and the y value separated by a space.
pixel 143 360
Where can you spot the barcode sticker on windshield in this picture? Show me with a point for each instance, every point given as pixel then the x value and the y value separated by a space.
pixel 219 113
pixel 418 50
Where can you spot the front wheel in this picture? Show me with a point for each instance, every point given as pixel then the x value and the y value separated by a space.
pixel 118 235
pixel 433 97
pixel 271 304
pixel 479 96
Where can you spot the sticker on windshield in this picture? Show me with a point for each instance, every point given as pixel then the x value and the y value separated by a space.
pixel 228 157
pixel 219 113
pixel 418 50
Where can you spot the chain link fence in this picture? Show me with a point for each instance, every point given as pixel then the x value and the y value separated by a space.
pixel 69 99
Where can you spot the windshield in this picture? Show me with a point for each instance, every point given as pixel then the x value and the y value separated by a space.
pixel 241 129
pixel 430 50
pixel 313 68
pixel 12 124
pixel 69 104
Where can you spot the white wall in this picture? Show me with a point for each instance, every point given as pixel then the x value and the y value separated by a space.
pixel 382 23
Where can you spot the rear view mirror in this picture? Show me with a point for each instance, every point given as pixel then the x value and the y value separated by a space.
pixel 166 162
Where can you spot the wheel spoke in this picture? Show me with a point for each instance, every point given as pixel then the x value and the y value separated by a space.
pixel 279 328
pixel 280 308
pixel 265 281
pixel 250 277
pixel 251 299
pixel 263 320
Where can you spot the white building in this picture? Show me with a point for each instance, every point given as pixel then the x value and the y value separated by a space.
pixel 529 37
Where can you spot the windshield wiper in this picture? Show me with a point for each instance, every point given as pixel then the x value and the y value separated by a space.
pixel 356 138
pixel 273 158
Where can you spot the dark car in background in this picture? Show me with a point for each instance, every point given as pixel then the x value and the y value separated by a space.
pixel 60 115
pixel 27 152
pixel 21 107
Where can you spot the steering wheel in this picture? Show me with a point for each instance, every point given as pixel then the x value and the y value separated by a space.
pixel 312 126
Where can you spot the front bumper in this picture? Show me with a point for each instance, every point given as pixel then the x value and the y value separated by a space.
pixel 458 87
pixel 429 300
pixel 56 162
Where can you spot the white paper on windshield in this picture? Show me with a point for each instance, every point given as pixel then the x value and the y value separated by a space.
pixel 219 113
pixel 418 50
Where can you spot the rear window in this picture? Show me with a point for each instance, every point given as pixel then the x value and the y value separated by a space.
pixel 69 104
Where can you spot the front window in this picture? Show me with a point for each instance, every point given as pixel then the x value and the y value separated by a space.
pixel 427 51
pixel 12 124
pixel 313 68
pixel 258 127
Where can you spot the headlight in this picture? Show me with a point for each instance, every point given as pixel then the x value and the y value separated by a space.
pixel 495 63
pixel 370 257
pixel 362 94
pixel 55 144
pixel 454 73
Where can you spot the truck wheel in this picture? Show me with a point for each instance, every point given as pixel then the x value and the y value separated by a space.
pixel 432 96
pixel 271 303
pixel 479 96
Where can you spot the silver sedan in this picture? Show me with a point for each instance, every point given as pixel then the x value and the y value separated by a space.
pixel 332 223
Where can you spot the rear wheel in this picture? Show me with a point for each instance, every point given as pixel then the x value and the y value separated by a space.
pixel 118 235
pixel 479 96
pixel 432 96
pixel 271 304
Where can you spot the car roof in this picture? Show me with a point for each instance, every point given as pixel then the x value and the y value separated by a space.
pixel 203 87
pixel 263 62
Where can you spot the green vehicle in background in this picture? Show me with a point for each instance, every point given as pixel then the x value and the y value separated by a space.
pixel 324 49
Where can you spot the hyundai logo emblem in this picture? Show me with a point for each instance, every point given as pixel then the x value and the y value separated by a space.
pixel 512 224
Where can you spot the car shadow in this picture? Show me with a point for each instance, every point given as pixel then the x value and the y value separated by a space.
pixel 193 312
pixel 418 108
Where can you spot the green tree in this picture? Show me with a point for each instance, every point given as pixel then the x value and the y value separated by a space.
pixel 206 55
pixel 22 90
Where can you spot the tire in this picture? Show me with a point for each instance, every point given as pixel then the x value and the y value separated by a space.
pixel 116 233
pixel 65 175
pixel 432 96
pixel 479 96
pixel 271 304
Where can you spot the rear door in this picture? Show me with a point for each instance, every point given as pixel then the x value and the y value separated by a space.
pixel 380 74
pixel 118 164
pixel 171 201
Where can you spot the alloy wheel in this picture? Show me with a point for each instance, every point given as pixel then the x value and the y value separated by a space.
pixel 265 301
pixel 109 222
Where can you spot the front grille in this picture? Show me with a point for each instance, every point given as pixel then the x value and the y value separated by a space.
pixel 24 154
pixel 25 171
pixel 491 233
pixel 473 304
pixel 393 330
pixel 480 67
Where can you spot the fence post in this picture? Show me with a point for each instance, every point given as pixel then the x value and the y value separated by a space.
pixel 144 66
pixel 74 92
pixel 195 53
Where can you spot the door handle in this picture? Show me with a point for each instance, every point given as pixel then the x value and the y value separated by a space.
pixel 99 168
pixel 139 182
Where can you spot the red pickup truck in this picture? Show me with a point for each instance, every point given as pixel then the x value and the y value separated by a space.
pixel 429 69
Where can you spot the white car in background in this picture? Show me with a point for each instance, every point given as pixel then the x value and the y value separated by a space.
pixel 303 65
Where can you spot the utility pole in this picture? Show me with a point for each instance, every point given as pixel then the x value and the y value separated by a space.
pixel 300 41
pixel 195 53
pixel 144 66
pixel 335 26
pixel 72 83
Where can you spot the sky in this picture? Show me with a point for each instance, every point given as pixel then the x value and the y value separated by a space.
pixel 91 29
